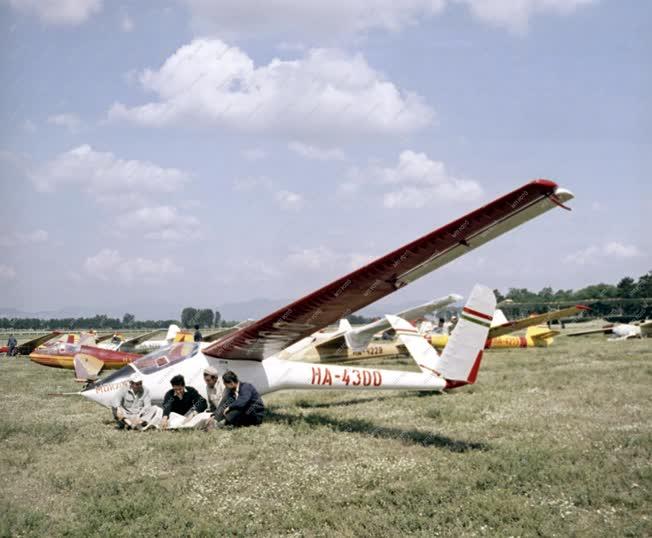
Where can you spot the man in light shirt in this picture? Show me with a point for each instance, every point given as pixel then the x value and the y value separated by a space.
pixel 132 406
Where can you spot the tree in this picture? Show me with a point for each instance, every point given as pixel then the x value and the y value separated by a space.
pixel 204 317
pixel 644 287
pixel 188 316
pixel 128 320
pixel 499 296
pixel 218 318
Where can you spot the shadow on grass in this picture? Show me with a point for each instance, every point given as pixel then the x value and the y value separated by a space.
pixel 365 427
pixel 309 404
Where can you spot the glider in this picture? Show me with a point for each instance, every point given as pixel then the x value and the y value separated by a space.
pixel 621 331
pixel 351 344
pixel 27 347
pixel 537 335
pixel 258 353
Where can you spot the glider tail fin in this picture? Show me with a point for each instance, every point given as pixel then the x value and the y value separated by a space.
pixel 460 361
pixel 172 332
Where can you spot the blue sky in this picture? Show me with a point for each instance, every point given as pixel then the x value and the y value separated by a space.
pixel 198 153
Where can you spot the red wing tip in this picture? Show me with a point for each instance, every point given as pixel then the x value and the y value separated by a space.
pixel 582 307
pixel 546 183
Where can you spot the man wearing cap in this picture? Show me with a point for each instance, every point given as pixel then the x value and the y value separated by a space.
pixel 132 407
pixel 215 397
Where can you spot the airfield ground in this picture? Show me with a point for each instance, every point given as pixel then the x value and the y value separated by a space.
pixel 550 442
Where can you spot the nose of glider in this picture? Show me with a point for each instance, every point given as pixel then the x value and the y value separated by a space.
pixel 103 392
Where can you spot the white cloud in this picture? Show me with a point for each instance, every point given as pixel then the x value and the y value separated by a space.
pixel 323 258
pixel 19 238
pixel 326 19
pixel 289 201
pixel 610 250
pixel 104 174
pixel 309 18
pixel 69 121
pixel 7 272
pixel 70 12
pixel 247 270
pixel 109 265
pixel 284 199
pixel 313 152
pixel 516 14
pixel 326 91
pixel 415 182
pixel 161 222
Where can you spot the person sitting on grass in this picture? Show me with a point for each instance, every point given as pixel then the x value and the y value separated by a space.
pixel 245 407
pixel 132 407
pixel 181 404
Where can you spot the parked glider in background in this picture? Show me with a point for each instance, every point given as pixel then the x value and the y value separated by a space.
pixel 537 335
pixel 258 353
pixel 352 344
pixel 63 354
pixel 27 347
pixel 621 331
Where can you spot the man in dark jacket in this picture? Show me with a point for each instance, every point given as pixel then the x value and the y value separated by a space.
pixel 180 404
pixel 246 407
pixel 197 337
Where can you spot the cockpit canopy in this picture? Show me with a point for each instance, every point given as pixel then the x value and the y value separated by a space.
pixel 162 358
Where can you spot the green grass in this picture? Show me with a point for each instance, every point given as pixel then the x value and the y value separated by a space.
pixel 550 442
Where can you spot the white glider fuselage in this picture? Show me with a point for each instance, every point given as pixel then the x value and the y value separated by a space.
pixel 267 376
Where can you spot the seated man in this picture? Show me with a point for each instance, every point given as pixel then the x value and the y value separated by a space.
pixel 181 404
pixel 133 407
pixel 216 402
pixel 246 407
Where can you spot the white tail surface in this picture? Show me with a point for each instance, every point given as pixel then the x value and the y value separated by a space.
pixel 458 362
pixel 419 348
pixel 87 367
pixel 468 339
pixel 499 318
pixel 344 325
pixel 172 332
pixel 86 339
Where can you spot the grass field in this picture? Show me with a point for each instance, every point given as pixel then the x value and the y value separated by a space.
pixel 553 442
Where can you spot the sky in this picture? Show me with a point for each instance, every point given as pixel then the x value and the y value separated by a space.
pixel 161 154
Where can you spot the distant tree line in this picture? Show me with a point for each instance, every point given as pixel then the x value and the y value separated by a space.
pixel 97 322
pixel 629 299
pixel 626 300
